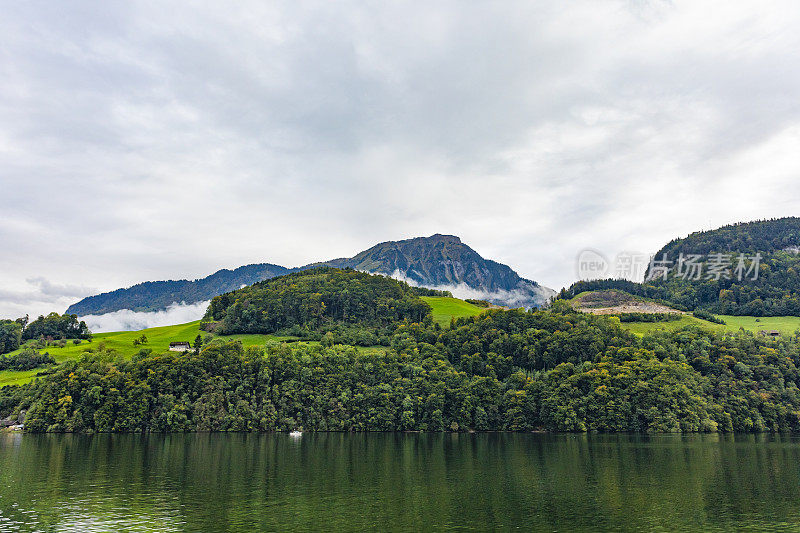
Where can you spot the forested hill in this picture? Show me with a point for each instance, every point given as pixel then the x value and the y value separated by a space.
pixel 156 295
pixel 438 260
pixel 769 286
pixel 701 271
pixel 558 370
pixel 318 299
pixel 765 236
pixel 445 261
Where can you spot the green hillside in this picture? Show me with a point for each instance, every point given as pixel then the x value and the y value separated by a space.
pixel 444 308
pixel 616 302
pixel 317 300
pixel 158 339
pixel 787 325
pixel 557 369
pixel 747 269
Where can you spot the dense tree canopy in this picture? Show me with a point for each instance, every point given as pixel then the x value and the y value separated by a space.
pixel 775 291
pixel 26 359
pixel 56 326
pixel 505 370
pixel 10 335
pixel 313 299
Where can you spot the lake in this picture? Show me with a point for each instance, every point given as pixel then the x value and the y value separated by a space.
pixel 398 481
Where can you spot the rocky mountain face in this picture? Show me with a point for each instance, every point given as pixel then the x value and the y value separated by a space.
pixel 438 261
pixel 443 261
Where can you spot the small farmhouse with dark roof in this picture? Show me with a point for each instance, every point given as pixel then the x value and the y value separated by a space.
pixel 770 333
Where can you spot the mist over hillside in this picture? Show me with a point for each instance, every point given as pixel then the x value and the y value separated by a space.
pixel 128 320
pixel 442 262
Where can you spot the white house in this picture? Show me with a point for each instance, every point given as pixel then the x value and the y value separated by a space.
pixel 179 347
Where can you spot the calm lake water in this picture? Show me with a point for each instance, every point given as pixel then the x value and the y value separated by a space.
pixel 241 482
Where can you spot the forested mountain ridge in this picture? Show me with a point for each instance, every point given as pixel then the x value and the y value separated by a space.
pixel 763 236
pixel 766 286
pixel 749 269
pixel 156 295
pixel 438 260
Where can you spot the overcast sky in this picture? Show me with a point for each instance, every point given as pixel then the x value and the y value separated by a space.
pixel 143 141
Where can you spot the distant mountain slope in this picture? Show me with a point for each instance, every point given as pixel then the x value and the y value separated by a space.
pixel 157 295
pixel 769 286
pixel 438 261
pixel 435 260
pixel 759 236
pixel 774 292
pixel 443 261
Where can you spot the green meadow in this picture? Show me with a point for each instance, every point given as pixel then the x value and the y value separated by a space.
pixel 15 377
pixel 444 308
pixel 158 339
pixel 787 325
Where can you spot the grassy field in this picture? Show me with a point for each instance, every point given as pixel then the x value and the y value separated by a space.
pixel 787 325
pixel 158 339
pixel 445 308
pixel 14 377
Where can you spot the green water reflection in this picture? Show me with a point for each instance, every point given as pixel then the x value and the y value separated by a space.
pixel 396 481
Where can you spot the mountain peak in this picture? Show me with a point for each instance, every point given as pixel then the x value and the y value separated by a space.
pixel 445 262
pixel 435 238
pixel 443 237
pixel 440 260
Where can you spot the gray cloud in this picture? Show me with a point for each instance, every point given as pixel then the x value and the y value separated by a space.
pixel 141 141
pixel 40 296
pixel 54 290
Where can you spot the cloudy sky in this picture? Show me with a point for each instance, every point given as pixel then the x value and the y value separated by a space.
pixel 148 141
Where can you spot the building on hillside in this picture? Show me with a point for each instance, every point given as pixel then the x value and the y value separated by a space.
pixel 179 347
pixel 770 333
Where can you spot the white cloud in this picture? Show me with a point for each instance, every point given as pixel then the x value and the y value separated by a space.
pixel 127 320
pixel 526 295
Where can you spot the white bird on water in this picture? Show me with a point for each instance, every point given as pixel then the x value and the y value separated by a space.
pixel 295 433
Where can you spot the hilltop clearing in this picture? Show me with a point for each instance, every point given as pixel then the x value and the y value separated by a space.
pixel 614 302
